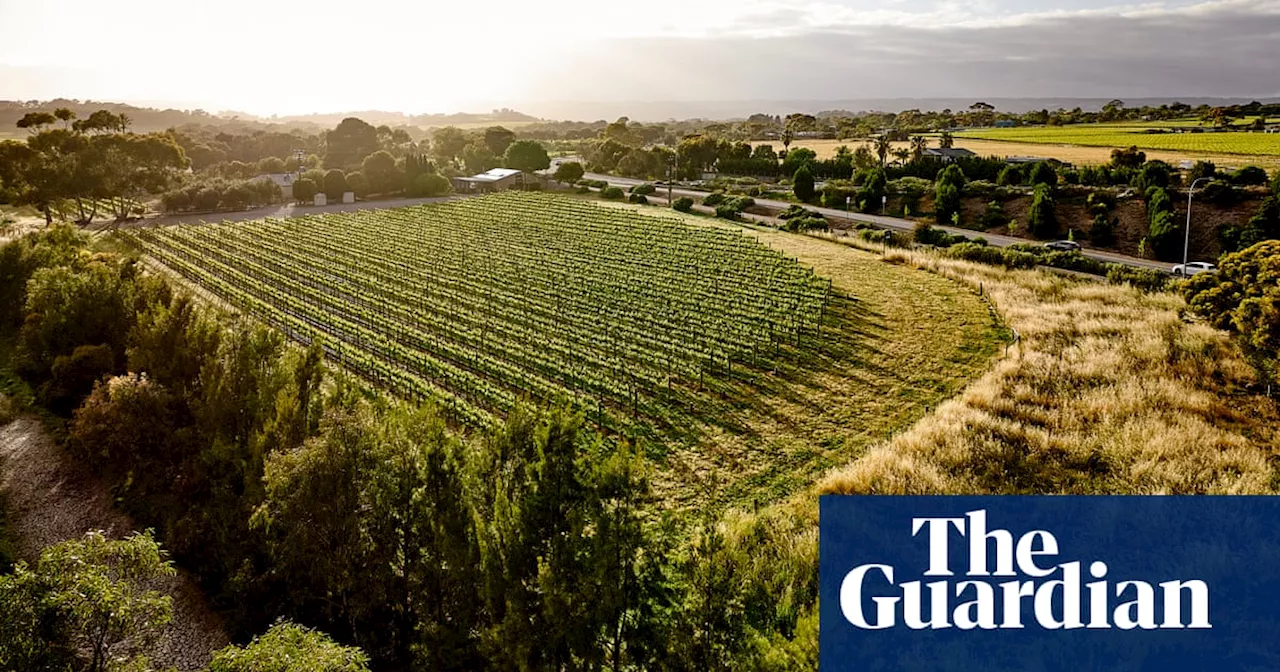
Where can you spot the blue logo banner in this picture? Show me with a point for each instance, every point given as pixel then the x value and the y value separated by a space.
pixel 975 584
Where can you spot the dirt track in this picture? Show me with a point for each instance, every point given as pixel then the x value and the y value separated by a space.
pixel 53 498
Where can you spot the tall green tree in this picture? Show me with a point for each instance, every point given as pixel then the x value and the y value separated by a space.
pixel 497 139
pixel 1042 219
pixel 802 184
pixel 349 142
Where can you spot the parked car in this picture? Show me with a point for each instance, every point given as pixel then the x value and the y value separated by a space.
pixel 1064 245
pixel 1195 268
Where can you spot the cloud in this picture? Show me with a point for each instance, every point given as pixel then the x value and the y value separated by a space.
pixel 1225 48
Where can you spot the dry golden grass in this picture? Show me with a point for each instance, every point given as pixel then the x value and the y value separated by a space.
pixel 1110 391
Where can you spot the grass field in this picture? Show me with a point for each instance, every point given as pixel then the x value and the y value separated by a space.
pixel 1108 135
pixel 1079 155
pixel 770 427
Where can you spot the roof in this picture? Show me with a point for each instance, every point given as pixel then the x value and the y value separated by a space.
pixel 493 175
pixel 282 179
pixel 949 152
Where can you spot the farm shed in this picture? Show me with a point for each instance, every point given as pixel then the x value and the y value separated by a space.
pixel 282 180
pixel 498 179
pixel 948 154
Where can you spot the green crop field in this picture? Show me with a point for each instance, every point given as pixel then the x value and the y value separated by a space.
pixel 483 302
pixel 1134 134
pixel 755 360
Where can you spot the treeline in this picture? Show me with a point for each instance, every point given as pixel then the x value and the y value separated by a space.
pixel 290 491
pixel 95 164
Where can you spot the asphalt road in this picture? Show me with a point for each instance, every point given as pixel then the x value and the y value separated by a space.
pixel 894 223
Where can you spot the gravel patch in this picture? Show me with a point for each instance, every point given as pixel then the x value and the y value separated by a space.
pixel 52 498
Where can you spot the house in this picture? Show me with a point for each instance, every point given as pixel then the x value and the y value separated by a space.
pixel 282 180
pixel 1006 123
pixel 498 179
pixel 948 154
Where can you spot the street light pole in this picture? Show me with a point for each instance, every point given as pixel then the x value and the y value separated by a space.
pixel 1186 245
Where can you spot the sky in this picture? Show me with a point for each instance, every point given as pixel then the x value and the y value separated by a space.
pixel 266 57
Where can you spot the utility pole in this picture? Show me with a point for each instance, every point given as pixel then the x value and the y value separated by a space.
pixel 671 180
pixel 1186 245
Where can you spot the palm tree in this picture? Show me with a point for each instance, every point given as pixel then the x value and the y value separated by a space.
pixel 883 146
pixel 902 154
pixel 918 144
pixel 786 139
pixel 946 140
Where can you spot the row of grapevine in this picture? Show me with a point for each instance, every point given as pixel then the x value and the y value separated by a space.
pixel 478 303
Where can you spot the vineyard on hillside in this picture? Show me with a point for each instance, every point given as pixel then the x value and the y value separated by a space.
pixel 641 321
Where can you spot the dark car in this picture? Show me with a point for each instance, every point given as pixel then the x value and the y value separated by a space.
pixel 1064 245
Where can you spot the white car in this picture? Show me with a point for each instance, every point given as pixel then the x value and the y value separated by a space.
pixel 1194 268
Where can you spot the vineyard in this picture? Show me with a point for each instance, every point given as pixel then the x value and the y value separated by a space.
pixel 1122 135
pixel 642 322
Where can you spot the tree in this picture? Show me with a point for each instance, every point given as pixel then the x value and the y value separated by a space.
pixel 1161 227
pixel 569 172
pixel 94 595
pixel 527 156
pixel 1042 221
pixel 380 171
pixel 883 145
pixel 946 140
pixel 498 139
pixel 335 184
pixel 290 648
pixel 918 144
pixel 271 165
pixel 1128 158
pixel 476 158
pixel 1043 173
pixel 305 190
pixel 447 144
pixel 802 184
pixel 430 184
pixel 348 143
pixel 1244 297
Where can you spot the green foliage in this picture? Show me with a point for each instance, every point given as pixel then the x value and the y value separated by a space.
pixel 1202 169
pixel 872 191
pixel 1249 176
pixel 430 184
pixel 1154 174
pixel 639 199
pixel 305 190
pixel 1010 175
pixel 994 216
pixel 995 256
pixel 380 171
pixel 1275 183
pixel 1103 231
pixel 802 184
pixel 950 184
pixel 290 648
pixel 90 595
pixel 1128 158
pixel 1244 297
pixel 569 172
pixel 1042 220
pixel 1043 173
pixel 1163 230
pixel 348 143
pixel 528 156
pixel 335 184
pixel 1146 279
pixel 612 193
pixel 713 199
pixel 683 204
pixel 643 189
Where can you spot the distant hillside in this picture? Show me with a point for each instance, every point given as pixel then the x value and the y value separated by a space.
pixel 147 119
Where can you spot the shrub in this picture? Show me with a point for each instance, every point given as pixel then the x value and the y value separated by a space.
pixel 643 189
pixel 1220 192
pixel 802 184
pixel 639 198
pixel 714 199
pixel 335 184
pixel 1103 231
pixel 1042 221
pixel 1043 173
pixel 1249 176
pixel 73 376
pixel 994 216
pixel 683 204
pixel 429 184
pixel 612 193
pixel 1007 257
pixel 1010 175
pixel 1146 279
pixel 1100 202
pixel 304 190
